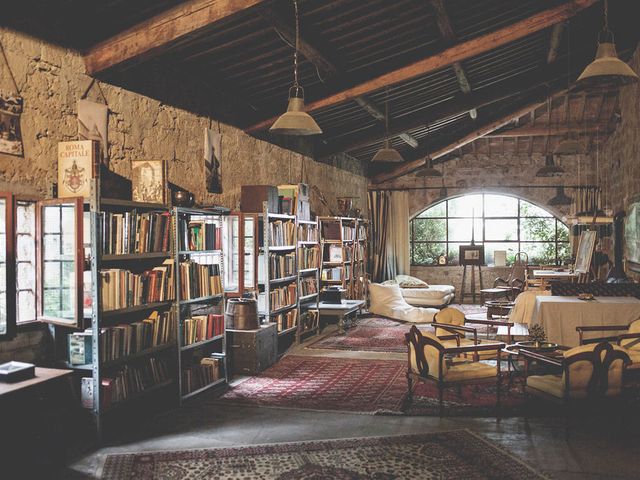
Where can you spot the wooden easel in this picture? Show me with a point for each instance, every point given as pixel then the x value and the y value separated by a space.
pixel 472 293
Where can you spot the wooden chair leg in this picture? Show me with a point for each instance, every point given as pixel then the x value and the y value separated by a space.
pixel 440 401
pixel 498 393
pixel 408 399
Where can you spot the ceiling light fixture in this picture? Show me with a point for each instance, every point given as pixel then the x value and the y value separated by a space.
pixel 295 121
pixel 607 70
pixel 387 153
pixel 550 169
pixel 560 198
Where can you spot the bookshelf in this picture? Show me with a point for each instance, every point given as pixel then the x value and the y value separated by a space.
pixel 337 245
pixel 199 303
pixel 308 241
pixel 361 259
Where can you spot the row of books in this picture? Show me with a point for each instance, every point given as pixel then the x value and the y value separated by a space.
pixel 348 233
pixel 286 320
pixel 201 374
pixel 362 232
pixel 281 265
pixel 195 235
pixel 360 251
pixel 133 232
pixel 122 288
pixel 309 320
pixel 308 285
pixel 128 339
pixel 334 273
pixel 131 380
pixel 282 233
pixel 282 296
pixel 199 280
pixel 338 253
pixel 307 233
pixel 308 257
pixel 202 327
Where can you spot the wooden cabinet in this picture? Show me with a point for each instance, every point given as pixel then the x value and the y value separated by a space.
pixel 252 351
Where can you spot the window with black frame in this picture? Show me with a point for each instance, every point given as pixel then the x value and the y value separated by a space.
pixel 499 222
pixel 25 253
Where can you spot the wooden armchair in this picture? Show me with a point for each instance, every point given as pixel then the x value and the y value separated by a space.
pixel 430 360
pixel 450 327
pixel 588 372
pixel 629 341
pixel 517 279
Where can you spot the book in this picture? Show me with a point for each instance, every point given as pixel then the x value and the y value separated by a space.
pixel 308 257
pixel 282 233
pixel 80 347
pixel 135 233
pixel 199 233
pixel 281 265
pixel 202 372
pixel 199 280
pixel 133 379
pixel 198 328
pixel 282 296
pixel 287 320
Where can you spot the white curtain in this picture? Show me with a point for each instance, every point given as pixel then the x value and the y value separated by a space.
pixel 397 237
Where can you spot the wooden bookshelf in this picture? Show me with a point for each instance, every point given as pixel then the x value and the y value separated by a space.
pixel 309 258
pixel 337 235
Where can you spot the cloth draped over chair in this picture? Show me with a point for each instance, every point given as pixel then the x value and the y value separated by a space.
pixel 389 234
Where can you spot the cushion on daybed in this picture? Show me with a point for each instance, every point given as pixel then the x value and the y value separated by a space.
pixel 387 300
pixel 434 296
pixel 407 281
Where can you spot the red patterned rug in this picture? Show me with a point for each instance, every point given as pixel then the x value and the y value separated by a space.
pixel 440 455
pixel 363 386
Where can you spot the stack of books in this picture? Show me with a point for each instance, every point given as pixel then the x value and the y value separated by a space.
pixel 308 257
pixel 281 233
pixel 308 286
pixel 202 327
pixel 133 232
pixel 281 265
pixel 133 379
pixel 199 280
pixel 122 288
pixel 286 320
pixel 348 233
pixel 198 375
pixel 360 252
pixel 307 233
pixel 128 339
pixel 282 296
pixel 197 235
pixel 334 273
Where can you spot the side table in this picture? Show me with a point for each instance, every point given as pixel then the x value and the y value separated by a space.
pixel 346 312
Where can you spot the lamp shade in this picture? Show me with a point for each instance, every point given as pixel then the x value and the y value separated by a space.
pixel 560 198
pixel 607 69
pixel 428 170
pixel 295 121
pixel 550 169
pixel 387 154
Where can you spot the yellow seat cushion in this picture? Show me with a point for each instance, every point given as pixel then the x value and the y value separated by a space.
pixel 466 342
pixel 549 384
pixel 634 355
pixel 460 371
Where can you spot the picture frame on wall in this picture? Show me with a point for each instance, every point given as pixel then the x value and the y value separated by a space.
pixel 148 179
pixel 77 165
pixel 10 134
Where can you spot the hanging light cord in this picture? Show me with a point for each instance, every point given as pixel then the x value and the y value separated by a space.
pixel 606 16
pixel 295 51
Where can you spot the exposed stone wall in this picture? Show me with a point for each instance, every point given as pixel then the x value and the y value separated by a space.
pixel 51 80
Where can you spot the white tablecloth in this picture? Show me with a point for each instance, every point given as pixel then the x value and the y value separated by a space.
pixel 561 315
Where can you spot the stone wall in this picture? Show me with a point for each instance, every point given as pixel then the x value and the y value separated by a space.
pixel 51 80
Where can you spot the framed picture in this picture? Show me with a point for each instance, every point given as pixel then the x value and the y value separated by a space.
pixel 92 125
pixel 76 167
pixel 471 254
pixel 335 253
pixel 10 135
pixel 149 182
pixel 586 246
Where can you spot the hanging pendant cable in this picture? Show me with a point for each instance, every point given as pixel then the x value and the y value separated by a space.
pixel 295 51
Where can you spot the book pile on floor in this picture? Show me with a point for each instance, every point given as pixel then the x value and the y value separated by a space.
pixel 281 265
pixel 307 233
pixel 308 257
pixel 286 320
pixel 308 286
pixel 199 235
pixel 133 232
pixel 133 379
pixel 199 280
pixel 122 340
pixel 202 327
pixel 201 374
pixel 122 288
pixel 282 296
pixel 281 234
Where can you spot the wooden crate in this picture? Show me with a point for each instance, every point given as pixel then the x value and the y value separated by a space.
pixel 252 351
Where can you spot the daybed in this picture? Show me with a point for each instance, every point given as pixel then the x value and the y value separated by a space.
pixel 420 294
pixel 387 300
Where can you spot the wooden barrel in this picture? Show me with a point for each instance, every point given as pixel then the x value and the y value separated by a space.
pixel 241 314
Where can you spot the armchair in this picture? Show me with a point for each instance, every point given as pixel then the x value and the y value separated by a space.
pixel 517 279
pixel 591 371
pixel 629 341
pixel 429 360
pixel 450 327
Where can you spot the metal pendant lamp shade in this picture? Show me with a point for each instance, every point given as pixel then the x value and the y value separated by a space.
pixel 429 171
pixel 295 121
pixel 550 169
pixel 560 198
pixel 387 154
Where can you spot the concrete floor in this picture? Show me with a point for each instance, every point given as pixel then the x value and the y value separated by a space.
pixel 597 447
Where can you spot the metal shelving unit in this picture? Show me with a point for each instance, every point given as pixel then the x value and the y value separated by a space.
pixel 346 264
pixel 308 322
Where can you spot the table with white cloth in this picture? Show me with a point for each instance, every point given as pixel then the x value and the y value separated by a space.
pixel 561 315
pixel 546 275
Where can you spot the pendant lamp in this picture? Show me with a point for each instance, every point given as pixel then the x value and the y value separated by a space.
pixel 560 198
pixel 607 70
pixel 550 169
pixel 387 153
pixel 295 121
pixel 428 171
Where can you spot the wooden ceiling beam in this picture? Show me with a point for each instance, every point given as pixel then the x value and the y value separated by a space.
pixel 482 131
pixel 446 30
pixel 543 130
pixel 456 53
pixel 152 35
pixel 554 42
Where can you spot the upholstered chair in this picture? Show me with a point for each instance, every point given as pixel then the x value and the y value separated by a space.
pixel 591 371
pixel 429 360
pixel 629 340
pixel 450 327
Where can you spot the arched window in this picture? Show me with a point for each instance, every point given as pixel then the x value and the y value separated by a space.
pixel 501 223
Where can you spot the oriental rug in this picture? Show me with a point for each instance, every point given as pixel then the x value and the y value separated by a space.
pixel 441 455
pixel 362 386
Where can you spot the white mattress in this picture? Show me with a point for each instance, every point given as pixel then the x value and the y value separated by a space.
pixel 433 296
